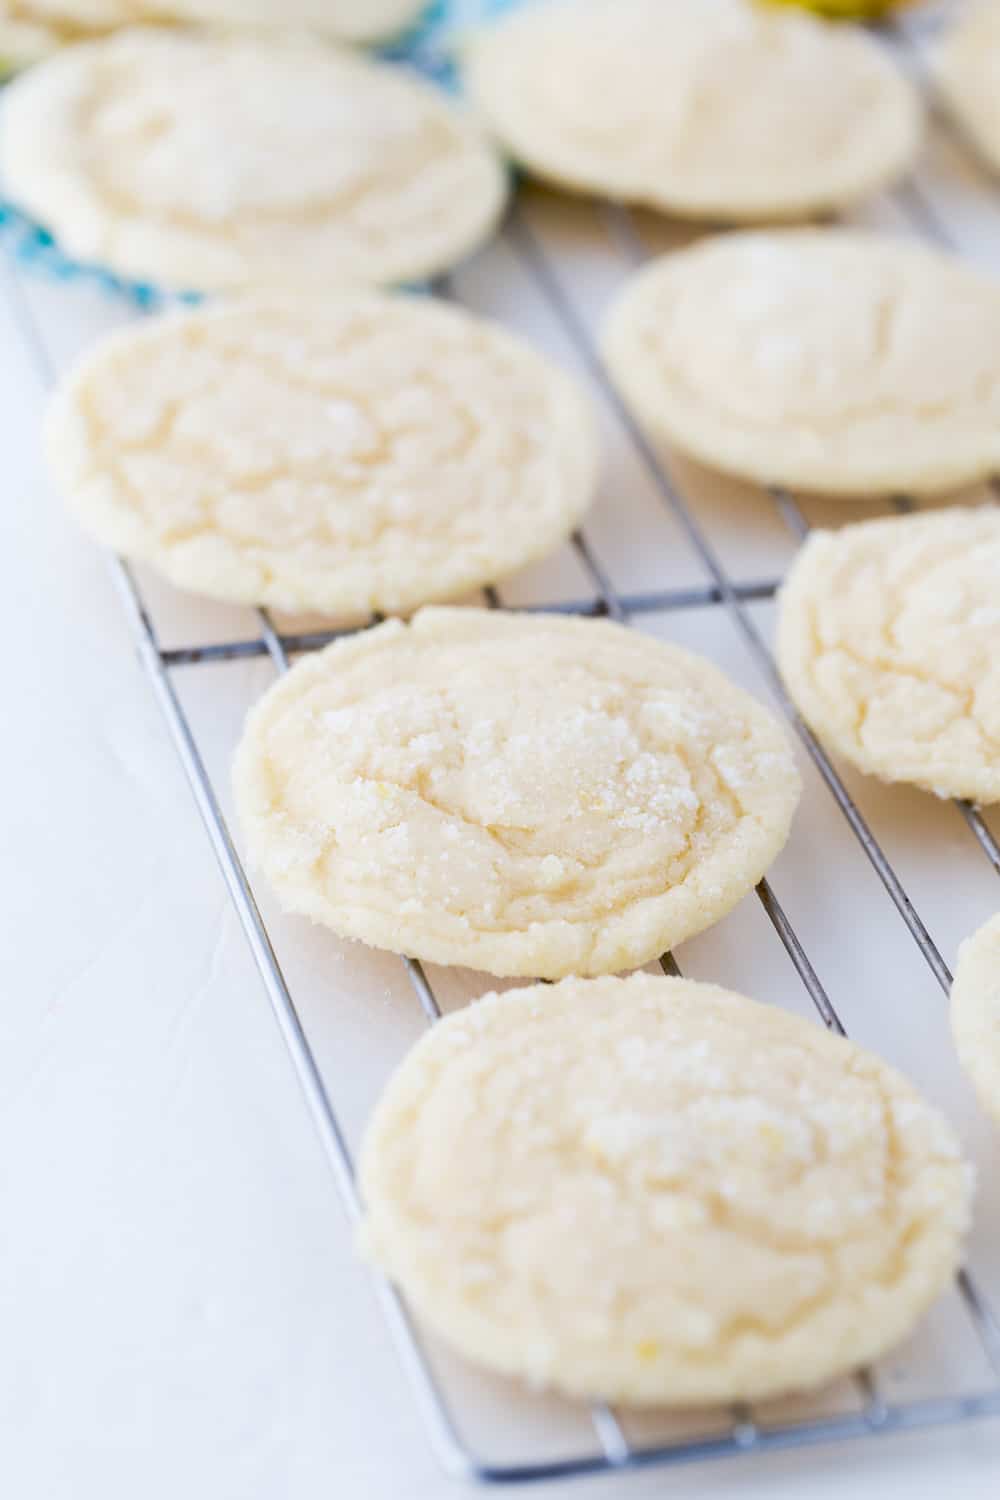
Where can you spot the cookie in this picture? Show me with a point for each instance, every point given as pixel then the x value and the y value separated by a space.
pixel 364 452
pixel 350 20
pixel 526 794
pixel 30 29
pixel 889 643
pixel 966 70
pixel 210 161
pixel 706 108
pixel 650 1190
pixel 975 1012
pixel 830 360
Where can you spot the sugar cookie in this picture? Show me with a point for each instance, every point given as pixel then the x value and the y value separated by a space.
pixel 369 452
pixel 30 29
pixel 966 68
pixel 212 161
pixel 650 1190
pixel 706 108
pixel 351 20
pixel 975 1012
pixel 832 360
pixel 526 794
pixel 889 642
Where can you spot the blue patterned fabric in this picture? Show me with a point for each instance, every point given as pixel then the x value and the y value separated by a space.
pixel 424 47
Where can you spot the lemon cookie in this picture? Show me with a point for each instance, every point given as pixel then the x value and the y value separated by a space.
pixel 706 108
pixel 831 360
pixel 975 1012
pixel 526 794
pixel 367 452
pixel 212 161
pixel 651 1190
pixel 889 642
pixel 966 69
pixel 350 20
pixel 29 29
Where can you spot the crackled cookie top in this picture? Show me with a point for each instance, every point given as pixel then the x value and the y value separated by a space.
pixel 524 794
pixel 655 1191
pixel 840 361
pixel 889 642
pixel 711 108
pixel 966 68
pixel 213 161
pixel 371 452
pixel 975 1012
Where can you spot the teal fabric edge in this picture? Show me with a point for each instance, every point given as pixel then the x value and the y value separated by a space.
pixel 423 47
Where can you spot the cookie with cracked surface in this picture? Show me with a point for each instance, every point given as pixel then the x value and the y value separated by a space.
pixel 707 108
pixel 652 1190
pixel 212 161
pixel 367 452
pixel 975 1012
pixel 966 69
pixel 831 360
pixel 524 794
pixel 889 642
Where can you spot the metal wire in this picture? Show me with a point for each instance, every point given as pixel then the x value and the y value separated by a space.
pixel 615 1452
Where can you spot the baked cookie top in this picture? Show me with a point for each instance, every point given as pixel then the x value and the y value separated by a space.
pixel 889 642
pixel 707 108
pixel 212 161
pixel 975 1012
pixel 525 794
pixel 651 1190
pixel 31 28
pixel 966 69
pixel 834 360
pixel 356 453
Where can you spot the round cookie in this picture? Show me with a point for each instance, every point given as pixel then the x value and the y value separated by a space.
pixel 831 360
pixel 526 794
pixel 651 1190
pixel 889 643
pixel 366 452
pixel 966 70
pixel 706 108
pixel 29 29
pixel 350 20
pixel 975 1012
pixel 212 161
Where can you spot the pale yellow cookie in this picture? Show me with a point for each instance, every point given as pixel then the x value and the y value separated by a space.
pixel 975 1012
pixel 216 161
pixel 966 69
pixel 832 360
pixel 889 642
pixel 30 29
pixel 707 108
pixel 526 794
pixel 350 20
pixel 651 1191
pixel 364 452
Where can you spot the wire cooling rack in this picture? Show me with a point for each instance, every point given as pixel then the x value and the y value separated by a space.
pixel 871 1411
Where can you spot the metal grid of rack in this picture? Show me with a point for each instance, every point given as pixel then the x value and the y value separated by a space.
pixel 612 1449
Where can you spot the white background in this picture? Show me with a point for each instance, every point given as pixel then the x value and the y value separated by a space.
pixel 181 1311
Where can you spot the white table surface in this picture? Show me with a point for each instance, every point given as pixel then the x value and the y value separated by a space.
pixel 181 1311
